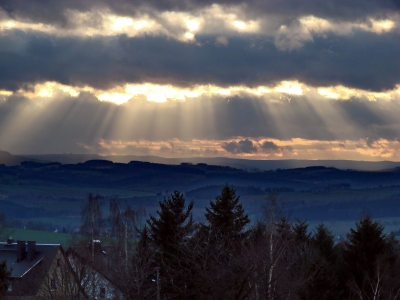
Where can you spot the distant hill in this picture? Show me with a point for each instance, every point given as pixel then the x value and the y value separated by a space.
pixel 52 192
pixel 245 164
pixel 66 158
pixel 156 177
pixel 8 159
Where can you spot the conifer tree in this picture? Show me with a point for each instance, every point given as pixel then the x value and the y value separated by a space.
pixel 323 283
pixel 323 241
pixel 226 216
pixel 365 246
pixel 168 233
pixel 173 223
pixel 4 278
pixel 224 246
pixel 299 229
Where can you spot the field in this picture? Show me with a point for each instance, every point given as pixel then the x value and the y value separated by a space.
pixel 54 190
pixel 40 236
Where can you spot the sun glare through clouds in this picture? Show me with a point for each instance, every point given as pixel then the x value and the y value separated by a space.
pixel 255 79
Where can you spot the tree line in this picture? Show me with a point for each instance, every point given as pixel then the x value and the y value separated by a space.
pixel 225 257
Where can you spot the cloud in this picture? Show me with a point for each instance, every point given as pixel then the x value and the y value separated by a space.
pixel 103 63
pixel 292 37
pixel 250 76
pixel 221 40
pixel 269 146
pixel 57 13
pixel 243 146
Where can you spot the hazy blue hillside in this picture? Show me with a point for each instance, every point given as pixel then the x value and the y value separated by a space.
pixel 8 159
pixel 222 161
pixel 51 194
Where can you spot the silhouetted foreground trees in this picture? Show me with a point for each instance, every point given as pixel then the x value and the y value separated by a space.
pixel 225 258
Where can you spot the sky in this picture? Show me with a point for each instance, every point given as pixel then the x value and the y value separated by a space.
pixel 255 79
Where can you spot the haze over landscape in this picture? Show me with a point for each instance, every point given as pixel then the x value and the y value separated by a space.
pixel 254 79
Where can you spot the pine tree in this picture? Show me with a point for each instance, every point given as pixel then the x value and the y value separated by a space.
pixel 324 282
pixel 324 243
pixel 4 278
pixel 365 246
pixel 173 223
pixel 168 234
pixel 226 216
pixel 224 247
pixel 299 229
pixel 283 230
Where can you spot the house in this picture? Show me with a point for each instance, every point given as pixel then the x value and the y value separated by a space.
pixel 96 270
pixel 39 271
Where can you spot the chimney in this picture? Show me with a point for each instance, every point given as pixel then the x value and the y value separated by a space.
pixel 96 246
pixel 31 250
pixel 21 250
pixel 10 241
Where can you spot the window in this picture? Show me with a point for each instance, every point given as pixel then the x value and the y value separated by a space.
pixel 58 262
pixel 53 284
pixel 102 292
pixel 9 286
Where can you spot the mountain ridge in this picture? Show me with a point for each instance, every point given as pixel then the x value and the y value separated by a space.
pixel 246 164
pixel 9 159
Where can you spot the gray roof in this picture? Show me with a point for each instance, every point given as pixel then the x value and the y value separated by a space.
pixel 28 273
pixel 8 252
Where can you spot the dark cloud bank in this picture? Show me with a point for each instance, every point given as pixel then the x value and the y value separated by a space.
pixel 363 60
pixel 54 12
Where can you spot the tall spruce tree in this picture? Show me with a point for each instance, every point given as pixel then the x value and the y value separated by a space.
pixel 226 222
pixel 173 223
pixel 365 246
pixel 324 282
pixel 300 232
pixel 226 216
pixel 168 233
pixel 323 241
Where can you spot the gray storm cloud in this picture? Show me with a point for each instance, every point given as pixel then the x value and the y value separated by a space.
pixel 269 146
pixel 243 146
pixel 56 11
pixel 272 148
pixel 364 60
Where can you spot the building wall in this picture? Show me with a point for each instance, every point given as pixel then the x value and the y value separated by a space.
pixel 60 282
pixel 92 281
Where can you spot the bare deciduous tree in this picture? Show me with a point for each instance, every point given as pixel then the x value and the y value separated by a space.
pixel 281 263
pixel 124 226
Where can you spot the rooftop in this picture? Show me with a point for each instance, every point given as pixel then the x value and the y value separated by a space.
pixel 20 266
